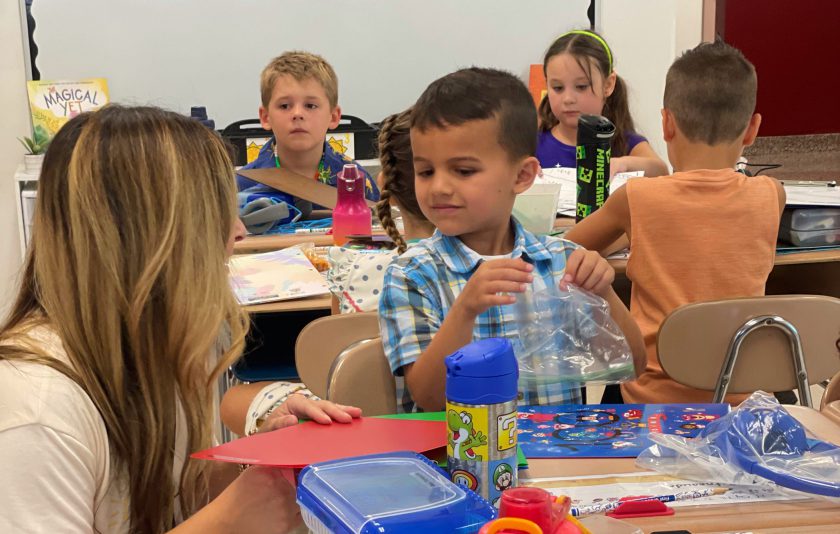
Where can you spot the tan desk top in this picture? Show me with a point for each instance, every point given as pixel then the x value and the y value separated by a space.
pixel 320 302
pixel 777 516
pixel 265 243
pixel 259 243
pixel 254 244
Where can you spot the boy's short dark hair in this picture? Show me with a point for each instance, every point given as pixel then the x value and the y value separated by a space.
pixel 711 91
pixel 477 94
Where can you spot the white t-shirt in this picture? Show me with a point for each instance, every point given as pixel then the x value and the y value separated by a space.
pixel 55 459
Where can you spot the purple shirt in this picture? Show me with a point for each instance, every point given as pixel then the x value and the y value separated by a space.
pixel 553 153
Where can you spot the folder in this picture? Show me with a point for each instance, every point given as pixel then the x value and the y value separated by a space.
pixel 297 446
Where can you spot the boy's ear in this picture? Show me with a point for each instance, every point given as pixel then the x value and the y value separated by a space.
pixel 752 130
pixel 528 170
pixel 264 118
pixel 609 84
pixel 669 125
pixel 335 117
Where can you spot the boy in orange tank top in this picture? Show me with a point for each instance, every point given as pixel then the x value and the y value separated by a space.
pixel 705 232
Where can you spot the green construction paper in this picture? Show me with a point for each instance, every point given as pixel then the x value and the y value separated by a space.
pixel 418 416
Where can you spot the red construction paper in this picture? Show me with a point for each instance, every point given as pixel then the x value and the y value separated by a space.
pixel 307 443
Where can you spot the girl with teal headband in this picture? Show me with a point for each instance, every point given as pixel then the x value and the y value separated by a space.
pixel 579 68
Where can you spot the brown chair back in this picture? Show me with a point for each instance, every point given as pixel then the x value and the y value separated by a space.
pixel 323 340
pixel 362 377
pixel 832 392
pixel 693 342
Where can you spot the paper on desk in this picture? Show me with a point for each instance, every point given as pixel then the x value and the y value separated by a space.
pixel 623 254
pixel 568 193
pixel 272 276
pixel 812 195
pixel 584 490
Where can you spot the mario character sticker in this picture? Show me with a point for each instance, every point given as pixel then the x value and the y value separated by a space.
pixel 467 439
pixel 502 476
pixel 506 431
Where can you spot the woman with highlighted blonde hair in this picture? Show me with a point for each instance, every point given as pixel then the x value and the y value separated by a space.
pixel 123 322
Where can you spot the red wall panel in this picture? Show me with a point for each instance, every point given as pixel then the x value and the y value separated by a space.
pixel 795 47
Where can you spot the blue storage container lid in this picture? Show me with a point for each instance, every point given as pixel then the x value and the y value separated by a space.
pixel 393 492
pixel 483 372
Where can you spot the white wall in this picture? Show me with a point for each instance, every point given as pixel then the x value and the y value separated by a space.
pixel 210 52
pixel 646 36
pixel 14 122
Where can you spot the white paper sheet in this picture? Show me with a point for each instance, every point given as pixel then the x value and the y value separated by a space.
pixel 585 490
pixel 812 195
pixel 568 193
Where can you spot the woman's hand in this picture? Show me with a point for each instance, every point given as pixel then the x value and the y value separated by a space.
pixel 320 411
pixel 261 499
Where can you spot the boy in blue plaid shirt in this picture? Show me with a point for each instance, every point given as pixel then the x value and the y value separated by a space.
pixel 473 134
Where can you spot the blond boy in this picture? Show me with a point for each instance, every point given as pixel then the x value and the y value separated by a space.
pixel 299 93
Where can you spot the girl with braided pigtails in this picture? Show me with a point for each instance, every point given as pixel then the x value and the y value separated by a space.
pixel 355 276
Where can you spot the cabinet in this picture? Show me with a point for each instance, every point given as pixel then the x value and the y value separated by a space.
pixel 26 188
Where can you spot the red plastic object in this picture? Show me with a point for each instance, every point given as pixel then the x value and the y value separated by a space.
pixel 536 505
pixel 640 509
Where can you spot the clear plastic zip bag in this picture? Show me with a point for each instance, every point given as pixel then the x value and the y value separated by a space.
pixel 759 444
pixel 568 336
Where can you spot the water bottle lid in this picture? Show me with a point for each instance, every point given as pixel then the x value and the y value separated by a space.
pixel 198 112
pixel 596 126
pixel 483 372
pixel 348 176
pixel 533 504
pixel 349 172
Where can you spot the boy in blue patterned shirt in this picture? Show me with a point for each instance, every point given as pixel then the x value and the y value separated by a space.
pixel 473 134
pixel 299 93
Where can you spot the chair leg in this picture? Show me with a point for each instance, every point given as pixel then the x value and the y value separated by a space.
pixel 751 326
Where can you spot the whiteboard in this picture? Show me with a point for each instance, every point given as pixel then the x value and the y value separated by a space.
pixel 182 53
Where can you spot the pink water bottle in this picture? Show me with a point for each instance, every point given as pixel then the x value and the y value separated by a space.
pixel 351 215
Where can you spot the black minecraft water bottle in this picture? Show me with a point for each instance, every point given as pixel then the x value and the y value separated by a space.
pixel 593 163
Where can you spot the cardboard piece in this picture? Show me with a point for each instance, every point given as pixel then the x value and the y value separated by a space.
pixel 300 445
pixel 296 185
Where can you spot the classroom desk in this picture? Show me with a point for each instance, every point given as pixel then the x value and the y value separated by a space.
pixel 266 243
pixel 796 258
pixel 810 515
pixel 320 302
pixel 815 273
pixel 804 272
